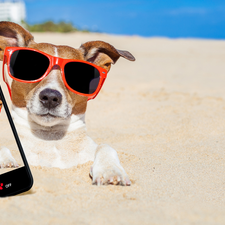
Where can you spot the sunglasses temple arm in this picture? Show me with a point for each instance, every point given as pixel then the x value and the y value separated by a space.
pixel 99 90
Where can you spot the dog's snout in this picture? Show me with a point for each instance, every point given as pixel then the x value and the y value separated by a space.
pixel 50 98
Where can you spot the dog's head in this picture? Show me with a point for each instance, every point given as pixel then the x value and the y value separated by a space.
pixel 49 102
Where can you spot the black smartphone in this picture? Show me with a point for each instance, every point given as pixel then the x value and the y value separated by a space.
pixel 15 174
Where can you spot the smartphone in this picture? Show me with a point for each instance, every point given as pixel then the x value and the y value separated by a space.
pixel 15 174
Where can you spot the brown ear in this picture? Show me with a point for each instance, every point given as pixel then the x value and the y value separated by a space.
pixel 12 34
pixel 103 54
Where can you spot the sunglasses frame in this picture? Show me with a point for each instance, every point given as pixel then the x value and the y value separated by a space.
pixel 53 60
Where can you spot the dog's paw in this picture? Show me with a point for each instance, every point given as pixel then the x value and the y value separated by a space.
pixel 109 175
pixel 6 159
pixel 107 168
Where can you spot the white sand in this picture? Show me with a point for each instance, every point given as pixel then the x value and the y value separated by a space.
pixel 165 115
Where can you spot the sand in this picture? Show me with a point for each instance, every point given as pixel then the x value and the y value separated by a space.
pixel 165 116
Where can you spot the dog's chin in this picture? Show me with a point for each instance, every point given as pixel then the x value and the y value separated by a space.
pixel 46 120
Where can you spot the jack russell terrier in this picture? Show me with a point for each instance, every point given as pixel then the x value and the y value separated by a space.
pixel 50 118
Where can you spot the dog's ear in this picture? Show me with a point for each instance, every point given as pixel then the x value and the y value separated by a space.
pixel 12 34
pixel 103 54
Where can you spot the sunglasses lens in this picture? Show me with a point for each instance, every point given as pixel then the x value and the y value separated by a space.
pixel 28 65
pixel 82 77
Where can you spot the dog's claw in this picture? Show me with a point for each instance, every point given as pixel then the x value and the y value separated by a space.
pixel 127 182
pixel 9 165
pixel 113 180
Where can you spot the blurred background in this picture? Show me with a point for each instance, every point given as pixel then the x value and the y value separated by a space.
pixel 173 19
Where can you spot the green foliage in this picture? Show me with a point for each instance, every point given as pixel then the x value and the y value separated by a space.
pixel 50 26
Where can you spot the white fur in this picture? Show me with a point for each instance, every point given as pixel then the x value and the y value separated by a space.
pixel 107 166
pixel 20 40
pixel 20 116
pixel 8 79
pixel 35 147
pixel 58 160
pixel 76 122
pixel 56 52
pixel 6 158
pixel 91 53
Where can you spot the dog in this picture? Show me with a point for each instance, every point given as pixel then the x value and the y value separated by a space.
pixel 58 138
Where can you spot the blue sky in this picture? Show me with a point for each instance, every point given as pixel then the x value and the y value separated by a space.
pixel 166 18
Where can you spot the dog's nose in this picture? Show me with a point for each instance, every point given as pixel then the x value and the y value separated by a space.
pixel 50 98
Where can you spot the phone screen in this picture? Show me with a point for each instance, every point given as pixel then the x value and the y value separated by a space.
pixel 10 157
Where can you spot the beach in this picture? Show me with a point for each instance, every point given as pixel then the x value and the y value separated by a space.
pixel 165 116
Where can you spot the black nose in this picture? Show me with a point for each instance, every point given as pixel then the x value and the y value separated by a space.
pixel 50 98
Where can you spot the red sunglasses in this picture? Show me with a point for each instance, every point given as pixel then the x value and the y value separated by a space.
pixel 29 65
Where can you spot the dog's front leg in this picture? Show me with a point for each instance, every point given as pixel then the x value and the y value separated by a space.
pixel 106 168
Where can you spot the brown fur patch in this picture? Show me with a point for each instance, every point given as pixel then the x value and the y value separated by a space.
pixel 107 49
pixel 102 47
pixel 20 91
pixel 44 47
pixel 67 52
pixel 11 34
pixel 103 61
pixel 80 104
